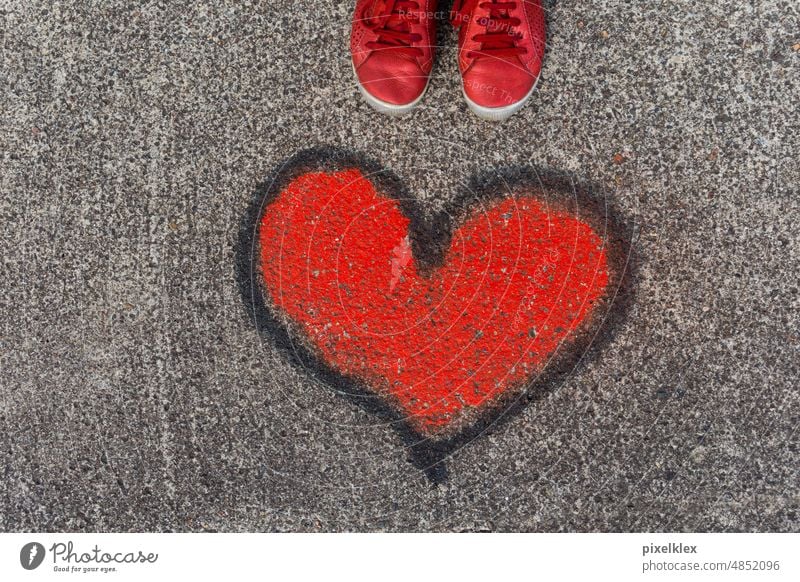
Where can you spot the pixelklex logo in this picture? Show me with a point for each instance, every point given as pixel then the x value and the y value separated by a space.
pixel 31 555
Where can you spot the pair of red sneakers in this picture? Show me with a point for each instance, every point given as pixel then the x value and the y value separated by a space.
pixel 500 49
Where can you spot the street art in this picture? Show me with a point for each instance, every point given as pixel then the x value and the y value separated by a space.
pixel 444 325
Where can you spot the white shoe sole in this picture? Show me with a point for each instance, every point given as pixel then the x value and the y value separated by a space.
pixel 498 113
pixel 389 108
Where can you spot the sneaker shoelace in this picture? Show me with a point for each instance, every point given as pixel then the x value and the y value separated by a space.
pixel 392 21
pixel 499 38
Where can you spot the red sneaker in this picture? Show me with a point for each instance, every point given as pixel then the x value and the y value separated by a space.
pixel 500 50
pixel 392 44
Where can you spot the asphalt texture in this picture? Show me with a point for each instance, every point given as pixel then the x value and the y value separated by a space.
pixel 136 393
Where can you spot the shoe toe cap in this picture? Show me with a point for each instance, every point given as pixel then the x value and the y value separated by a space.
pixel 392 79
pixel 497 83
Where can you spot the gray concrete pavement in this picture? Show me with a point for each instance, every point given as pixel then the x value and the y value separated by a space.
pixel 136 395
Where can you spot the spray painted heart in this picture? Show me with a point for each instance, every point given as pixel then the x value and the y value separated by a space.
pixel 448 321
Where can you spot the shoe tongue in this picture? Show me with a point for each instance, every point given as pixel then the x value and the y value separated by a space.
pixel 382 9
pixel 377 7
pixel 500 31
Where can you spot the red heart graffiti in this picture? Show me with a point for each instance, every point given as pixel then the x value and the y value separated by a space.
pixel 520 280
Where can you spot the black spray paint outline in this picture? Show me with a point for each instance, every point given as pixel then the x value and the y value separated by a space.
pixel 430 238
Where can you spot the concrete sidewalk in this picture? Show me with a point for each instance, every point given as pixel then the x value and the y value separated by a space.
pixel 135 393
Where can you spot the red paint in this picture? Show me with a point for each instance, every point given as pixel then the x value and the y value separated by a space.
pixel 518 279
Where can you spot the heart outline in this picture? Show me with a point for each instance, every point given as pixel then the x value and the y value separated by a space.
pixel 430 238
